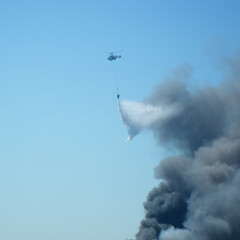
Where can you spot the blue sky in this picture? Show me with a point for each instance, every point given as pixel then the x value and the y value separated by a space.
pixel 66 171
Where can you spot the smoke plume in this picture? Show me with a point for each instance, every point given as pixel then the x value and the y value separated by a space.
pixel 199 192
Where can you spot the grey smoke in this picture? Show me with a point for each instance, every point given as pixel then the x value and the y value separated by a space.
pixel 199 192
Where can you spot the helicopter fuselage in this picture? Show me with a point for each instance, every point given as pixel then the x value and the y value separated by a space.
pixel 113 57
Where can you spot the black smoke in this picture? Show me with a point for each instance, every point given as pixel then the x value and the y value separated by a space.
pixel 198 197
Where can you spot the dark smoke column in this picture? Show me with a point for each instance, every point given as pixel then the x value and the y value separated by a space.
pixel 199 192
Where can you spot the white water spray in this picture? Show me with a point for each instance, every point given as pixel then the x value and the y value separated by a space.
pixel 137 116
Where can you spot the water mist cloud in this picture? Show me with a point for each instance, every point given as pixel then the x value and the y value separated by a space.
pixel 137 116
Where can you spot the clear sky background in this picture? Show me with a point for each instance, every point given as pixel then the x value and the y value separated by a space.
pixel 66 171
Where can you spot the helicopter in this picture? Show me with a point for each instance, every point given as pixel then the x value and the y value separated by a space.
pixel 112 57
